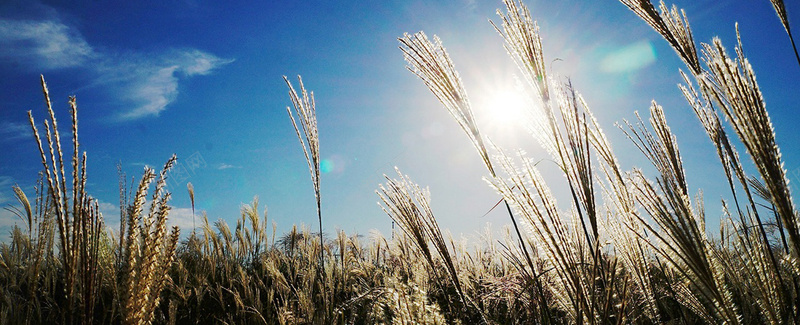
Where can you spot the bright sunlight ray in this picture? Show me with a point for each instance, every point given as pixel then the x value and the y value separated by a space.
pixel 503 110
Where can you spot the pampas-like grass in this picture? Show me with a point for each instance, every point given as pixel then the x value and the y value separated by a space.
pixel 728 84
pixel 681 226
pixel 190 189
pixel 306 111
pixel 149 249
pixel 731 84
pixel 409 206
pixel 627 248
pixel 432 64
pixel 79 223
pixel 672 25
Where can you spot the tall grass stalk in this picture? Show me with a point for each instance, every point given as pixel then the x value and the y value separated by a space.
pixel 80 223
pixel 780 9
pixel 432 64
pixel 729 84
pixel 409 206
pixel 306 111
pixel 625 247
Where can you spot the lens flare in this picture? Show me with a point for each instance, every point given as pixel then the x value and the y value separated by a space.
pixel 326 166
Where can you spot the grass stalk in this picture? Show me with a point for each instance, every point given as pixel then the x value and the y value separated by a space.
pixel 306 110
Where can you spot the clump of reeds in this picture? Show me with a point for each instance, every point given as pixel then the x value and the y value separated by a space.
pixel 77 215
pixel 573 139
pixel 627 248
pixel 432 64
pixel 409 206
pixel 149 248
pixel 681 225
pixel 728 84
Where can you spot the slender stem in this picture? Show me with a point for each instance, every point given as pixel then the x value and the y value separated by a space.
pixel 321 243
pixel 535 277
pixel 794 47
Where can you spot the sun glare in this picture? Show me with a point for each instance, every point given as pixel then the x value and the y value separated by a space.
pixel 505 109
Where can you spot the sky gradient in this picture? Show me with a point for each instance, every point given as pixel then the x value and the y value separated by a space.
pixel 203 80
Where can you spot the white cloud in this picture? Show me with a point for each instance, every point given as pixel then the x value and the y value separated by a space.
pixel 15 131
pixel 109 210
pixel 7 218
pixel 154 91
pixel 181 217
pixel 200 63
pixel 7 221
pixel 224 166
pixel 6 195
pixel 50 44
pixel 153 83
pixel 147 82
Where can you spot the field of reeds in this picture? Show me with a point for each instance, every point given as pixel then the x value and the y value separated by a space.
pixel 632 247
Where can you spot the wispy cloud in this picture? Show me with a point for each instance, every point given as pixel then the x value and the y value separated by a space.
pixel 153 83
pixel 181 217
pixel 47 44
pixel 224 166
pixel 141 165
pixel 147 82
pixel 14 131
pixel 7 218
pixel 7 222
pixel 110 214
pixel 470 5
pixel 6 183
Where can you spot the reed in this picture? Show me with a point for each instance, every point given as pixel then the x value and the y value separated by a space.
pixel 79 222
pixel 780 9
pixel 432 64
pixel 149 249
pixel 624 246
pixel 306 110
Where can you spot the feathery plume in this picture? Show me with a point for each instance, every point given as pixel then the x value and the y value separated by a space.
pixel 306 111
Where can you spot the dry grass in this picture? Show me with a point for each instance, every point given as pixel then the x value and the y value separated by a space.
pixel 625 247
pixel 306 110
pixel 780 9
pixel 149 249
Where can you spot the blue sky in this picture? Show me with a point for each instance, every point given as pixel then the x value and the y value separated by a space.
pixel 203 79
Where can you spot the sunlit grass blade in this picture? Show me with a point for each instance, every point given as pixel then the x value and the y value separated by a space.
pixel 306 110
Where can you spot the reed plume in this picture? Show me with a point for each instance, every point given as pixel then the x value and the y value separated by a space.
pixel 80 223
pixel 432 64
pixel 149 248
pixel 673 25
pixel 409 206
pixel 190 188
pixel 306 111
pixel 681 226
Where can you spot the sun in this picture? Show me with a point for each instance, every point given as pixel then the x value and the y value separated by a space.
pixel 505 109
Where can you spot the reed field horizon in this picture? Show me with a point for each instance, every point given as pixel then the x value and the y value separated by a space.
pixel 593 218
